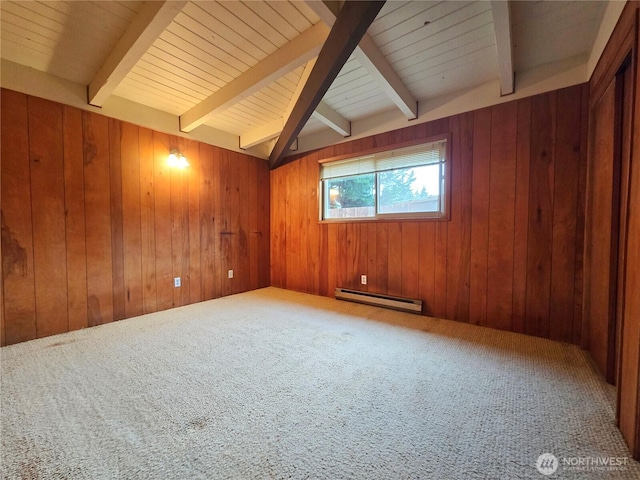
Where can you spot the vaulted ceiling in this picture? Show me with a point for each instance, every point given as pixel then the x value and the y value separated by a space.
pixel 240 66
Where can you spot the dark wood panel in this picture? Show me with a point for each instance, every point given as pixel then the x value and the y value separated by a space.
pixel 541 182
pixel 253 224
pixel 521 216
pixel 223 225
pixel 218 200
pixel 618 64
pixel 164 252
pixel 243 257
pixel 207 221
pixel 382 258
pixel 492 255
pixel 147 221
pixel 332 255
pixel 112 231
pixel 264 212
pixel 565 205
pixel 454 249
pixel 194 174
pixel 292 251
pixel 426 273
pixel 117 222
pixel 17 233
pixel 440 303
pixel 480 216
pixel 75 219
pixel 97 205
pixel 598 236
pixel 459 252
pixel 47 206
pixel 394 266
pixel 502 215
pixel 131 220
pixel 410 248
pixel 179 228
pixel 581 220
pixel 310 199
pixel 302 229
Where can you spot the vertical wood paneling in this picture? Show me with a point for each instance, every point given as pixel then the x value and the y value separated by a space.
pixel 131 218
pixel 466 186
pixel 217 199
pixel 194 174
pixel 263 208
pixel 332 256
pixel 426 272
pixel 303 232
pixel 565 200
pixel 490 263
pixel 97 207
pixel 223 226
pixel 394 265
pixel 440 267
pixel 454 226
pixel 47 206
pixel 17 233
pixel 111 227
pixel 179 229
pixel 410 249
pixel 581 220
pixel 292 251
pixel 75 219
pixel 147 221
pixel 311 222
pixel 521 214
pixel 459 228
pixel 480 216
pixel 371 260
pixel 243 257
pixel 541 184
pixel 207 232
pixel 117 226
pixel 185 250
pixel 254 229
pixel 162 220
pixel 501 215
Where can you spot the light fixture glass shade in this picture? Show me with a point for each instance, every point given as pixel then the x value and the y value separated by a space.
pixel 176 159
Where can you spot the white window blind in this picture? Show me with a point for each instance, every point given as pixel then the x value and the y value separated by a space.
pixel 423 154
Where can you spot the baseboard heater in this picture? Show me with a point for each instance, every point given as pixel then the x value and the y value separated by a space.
pixel 387 301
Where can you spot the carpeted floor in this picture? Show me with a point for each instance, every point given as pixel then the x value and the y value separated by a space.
pixel 278 384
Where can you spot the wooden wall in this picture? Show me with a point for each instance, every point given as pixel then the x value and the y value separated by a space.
pixel 95 225
pixel 510 257
pixel 612 311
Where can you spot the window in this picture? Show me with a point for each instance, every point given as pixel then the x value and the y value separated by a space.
pixel 404 182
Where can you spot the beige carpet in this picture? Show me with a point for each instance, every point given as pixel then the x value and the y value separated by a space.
pixel 278 384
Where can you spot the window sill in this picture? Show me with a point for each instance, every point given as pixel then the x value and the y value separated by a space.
pixel 390 218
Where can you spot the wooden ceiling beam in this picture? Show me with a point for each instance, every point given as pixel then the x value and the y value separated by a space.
pixel 152 19
pixel 297 52
pixel 374 61
pixel 351 24
pixel 502 26
pixel 332 119
pixel 272 129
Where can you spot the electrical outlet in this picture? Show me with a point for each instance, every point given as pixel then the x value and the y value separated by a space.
pixel 176 282
pixel 230 273
pixel 363 279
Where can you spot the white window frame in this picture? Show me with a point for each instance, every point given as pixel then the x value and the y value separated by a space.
pixel 386 152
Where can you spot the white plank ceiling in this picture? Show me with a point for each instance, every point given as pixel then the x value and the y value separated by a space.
pixel 434 48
